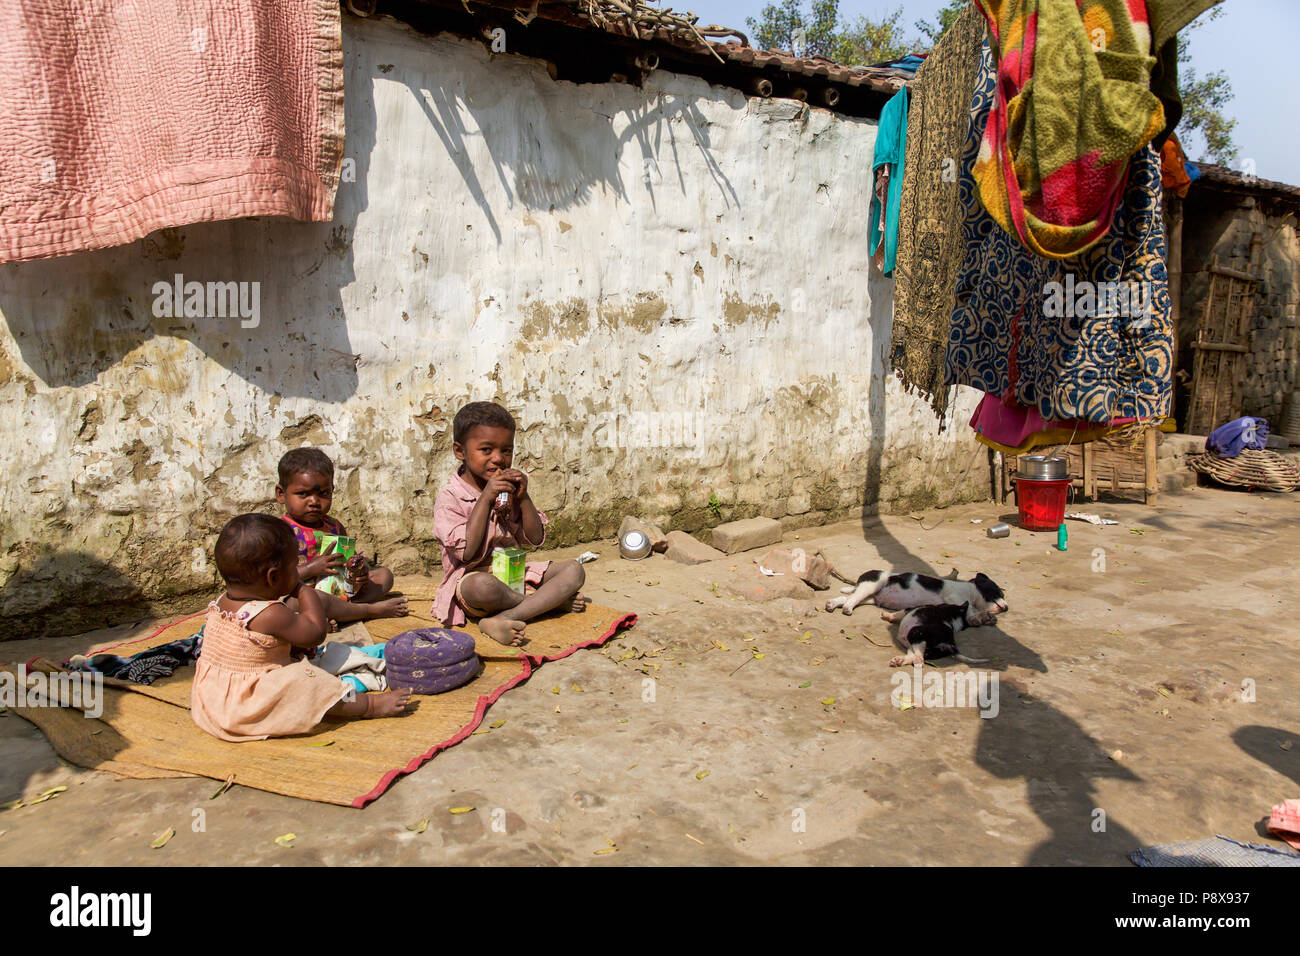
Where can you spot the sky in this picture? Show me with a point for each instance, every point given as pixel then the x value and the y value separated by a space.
pixel 1254 41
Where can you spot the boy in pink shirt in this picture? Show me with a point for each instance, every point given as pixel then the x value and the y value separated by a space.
pixel 469 524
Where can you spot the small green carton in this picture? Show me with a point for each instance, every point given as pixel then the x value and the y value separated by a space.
pixel 508 567
pixel 334 544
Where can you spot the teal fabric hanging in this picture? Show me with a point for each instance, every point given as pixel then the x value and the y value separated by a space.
pixel 891 145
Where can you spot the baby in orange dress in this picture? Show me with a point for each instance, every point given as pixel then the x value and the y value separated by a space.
pixel 252 679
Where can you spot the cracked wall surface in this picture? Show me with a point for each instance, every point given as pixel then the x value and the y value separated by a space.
pixel 667 286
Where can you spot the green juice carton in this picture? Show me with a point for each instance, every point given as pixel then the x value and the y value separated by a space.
pixel 334 544
pixel 508 567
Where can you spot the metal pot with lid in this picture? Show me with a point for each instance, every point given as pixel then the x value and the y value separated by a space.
pixel 1041 468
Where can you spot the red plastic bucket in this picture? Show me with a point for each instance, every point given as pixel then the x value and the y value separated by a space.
pixel 1041 503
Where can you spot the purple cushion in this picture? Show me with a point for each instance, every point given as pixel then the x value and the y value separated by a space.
pixel 431 660
pixel 434 680
pixel 429 646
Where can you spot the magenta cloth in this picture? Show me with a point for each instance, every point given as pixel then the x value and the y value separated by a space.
pixel 451 510
pixel 124 118
pixel 1005 424
pixel 1012 424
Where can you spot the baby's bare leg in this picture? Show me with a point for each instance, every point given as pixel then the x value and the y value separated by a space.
pixel 348 612
pixel 390 703
pixel 380 583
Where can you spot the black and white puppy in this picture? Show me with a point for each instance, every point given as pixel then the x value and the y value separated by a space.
pixel 930 632
pixel 898 592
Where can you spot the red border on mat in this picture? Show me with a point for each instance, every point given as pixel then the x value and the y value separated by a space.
pixel 530 662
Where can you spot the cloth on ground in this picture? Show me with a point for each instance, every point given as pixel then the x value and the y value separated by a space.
pixel 1284 821
pixel 145 667
pixel 1213 851
pixel 1107 352
pixel 162 114
pixel 930 240
pixel 891 147
pixel 1228 441
pixel 1072 109
pixel 360 667
pixel 432 660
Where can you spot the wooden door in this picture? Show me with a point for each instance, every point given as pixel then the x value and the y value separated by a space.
pixel 1220 350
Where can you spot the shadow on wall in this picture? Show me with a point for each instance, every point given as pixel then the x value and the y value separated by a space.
pixel 68 592
pixel 281 327
pixel 881 295
pixel 549 156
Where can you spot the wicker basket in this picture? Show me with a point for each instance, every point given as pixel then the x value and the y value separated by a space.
pixel 1250 469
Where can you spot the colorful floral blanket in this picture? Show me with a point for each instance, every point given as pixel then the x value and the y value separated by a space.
pixel 1073 107
pixel 1088 337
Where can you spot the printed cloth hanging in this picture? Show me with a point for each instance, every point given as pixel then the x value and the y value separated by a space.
pixel 1086 338
pixel 1073 107
pixel 882 214
pixel 930 242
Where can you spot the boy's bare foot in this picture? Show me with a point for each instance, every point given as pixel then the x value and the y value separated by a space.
pixel 393 607
pixel 580 602
pixel 503 630
pixel 389 703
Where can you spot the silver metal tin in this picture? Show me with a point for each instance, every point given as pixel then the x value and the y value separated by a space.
pixel 999 531
pixel 634 546
pixel 1041 468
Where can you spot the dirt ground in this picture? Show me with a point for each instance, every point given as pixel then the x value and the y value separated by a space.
pixel 1120 720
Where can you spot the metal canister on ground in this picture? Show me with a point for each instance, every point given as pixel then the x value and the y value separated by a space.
pixel 999 531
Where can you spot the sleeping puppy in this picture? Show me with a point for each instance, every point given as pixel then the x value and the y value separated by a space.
pixel 898 592
pixel 931 632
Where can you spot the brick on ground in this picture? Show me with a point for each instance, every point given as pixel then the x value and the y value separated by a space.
pixel 687 550
pixel 746 534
